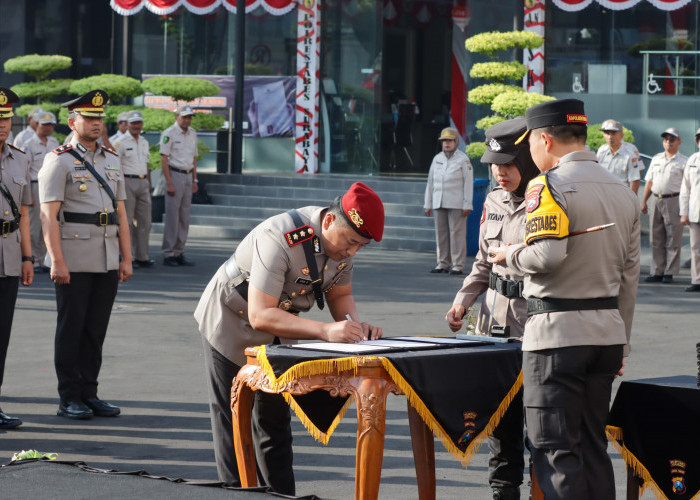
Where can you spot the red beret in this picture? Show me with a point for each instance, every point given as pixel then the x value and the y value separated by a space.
pixel 364 211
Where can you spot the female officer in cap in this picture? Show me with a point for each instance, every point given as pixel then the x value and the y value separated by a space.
pixel 502 223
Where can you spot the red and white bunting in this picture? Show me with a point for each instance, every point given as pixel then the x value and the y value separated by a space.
pixel 201 7
pixel 533 59
pixel 576 5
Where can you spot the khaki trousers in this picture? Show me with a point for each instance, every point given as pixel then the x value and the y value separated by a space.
pixel 138 208
pixel 177 215
pixel 451 238
pixel 35 232
pixel 665 236
pixel 695 253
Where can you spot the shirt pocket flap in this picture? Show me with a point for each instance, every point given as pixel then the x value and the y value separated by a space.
pixel 74 231
pixel 493 230
pixel 19 180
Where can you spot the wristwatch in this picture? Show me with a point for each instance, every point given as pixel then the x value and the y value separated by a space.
pixel 28 259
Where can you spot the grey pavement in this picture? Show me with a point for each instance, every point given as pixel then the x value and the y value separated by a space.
pixel 153 369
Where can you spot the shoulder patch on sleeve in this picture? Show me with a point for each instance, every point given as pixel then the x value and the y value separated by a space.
pixel 166 139
pixel 545 217
pixel 299 235
pixel 16 148
pixel 62 149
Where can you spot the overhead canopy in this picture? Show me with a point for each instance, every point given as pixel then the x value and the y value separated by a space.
pixel 576 5
pixel 164 7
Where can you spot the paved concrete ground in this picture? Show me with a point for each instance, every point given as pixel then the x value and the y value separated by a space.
pixel 153 369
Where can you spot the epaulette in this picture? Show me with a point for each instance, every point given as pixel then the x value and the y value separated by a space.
pixel 299 235
pixel 62 149
pixel 16 148
pixel 110 150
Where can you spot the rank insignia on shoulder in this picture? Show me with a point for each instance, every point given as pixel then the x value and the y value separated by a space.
pixel 62 149
pixel 299 235
pixel 81 148
pixel 342 266
pixel 110 150
pixel 21 150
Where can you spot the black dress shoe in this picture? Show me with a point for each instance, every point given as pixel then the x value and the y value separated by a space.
pixel 438 270
pixel 102 408
pixel 184 261
pixel 506 493
pixel 8 422
pixel 454 271
pixel 76 410
pixel 171 261
pixel 653 278
pixel 145 263
pixel 693 288
pixel 667 278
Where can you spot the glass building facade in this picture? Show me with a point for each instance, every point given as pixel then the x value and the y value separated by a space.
pixel 388 68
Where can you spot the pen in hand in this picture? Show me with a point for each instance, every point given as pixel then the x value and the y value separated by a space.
pixel 347 316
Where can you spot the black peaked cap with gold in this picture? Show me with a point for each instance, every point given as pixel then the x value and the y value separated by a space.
pixel 7 99
pixel 90 104
pixel 501 147
pixel 553 113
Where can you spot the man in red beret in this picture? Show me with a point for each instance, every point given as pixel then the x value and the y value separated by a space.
pixel 281 268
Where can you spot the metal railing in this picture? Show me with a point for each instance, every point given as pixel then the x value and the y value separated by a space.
pixel 651 86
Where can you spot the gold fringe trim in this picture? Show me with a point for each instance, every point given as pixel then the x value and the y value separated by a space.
pixel 465 456
pixel 306 369
pixel 615 435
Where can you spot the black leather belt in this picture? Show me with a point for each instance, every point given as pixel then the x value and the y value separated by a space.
pixel 34 182
pixel 8 226
pixel 98 218
pixel 549 305
pixel 672 195
pixel 133 176
pixel 180 170
pixel 508 288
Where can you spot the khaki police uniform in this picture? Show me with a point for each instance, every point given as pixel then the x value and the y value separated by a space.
pixel 133 154
pixel 502 223
pixel 571 355
pixel 666 231
pixel 37 150
pixel 23 138
pixel 690 207
pixel 14 173
pixel 91 253
pixel 181 149
pixel 448 193
pixel 266 260
pixel 625 163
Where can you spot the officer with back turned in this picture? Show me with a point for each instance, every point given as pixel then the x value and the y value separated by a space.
pixel 81 189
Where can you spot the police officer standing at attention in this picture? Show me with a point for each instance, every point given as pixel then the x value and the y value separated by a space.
pixel 133 154
pixel 502 223
pixel 618 157
pixel 122 126
pixel 37 148
pixel 690 213
pixel 448 197
pixel 81 188
pixel 663 185
pixel 15 246
pixel 178 156
pixel 281 268
pixel 580 291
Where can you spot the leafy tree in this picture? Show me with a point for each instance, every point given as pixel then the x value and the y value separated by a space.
pixel 41 90
pixel 180 89
pixel 117 86
pixel 37 66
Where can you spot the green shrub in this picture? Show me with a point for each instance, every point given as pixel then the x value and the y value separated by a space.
pixel 25 109
pixel 513 104
pixel 485 94
pixel 47 88
pixel 59 137
pixel 117 86
pixel 494 41
pixel 180 89
pixel 154 154
pixel 596 139
pixel 475 150
pixel 489 121
pixel 37 66
pixel 207 121
pixel 511 70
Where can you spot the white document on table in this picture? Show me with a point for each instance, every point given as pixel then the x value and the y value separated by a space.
pixel 340 347
pixel 436 340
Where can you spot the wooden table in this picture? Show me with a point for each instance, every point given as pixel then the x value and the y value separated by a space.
pixel 369 385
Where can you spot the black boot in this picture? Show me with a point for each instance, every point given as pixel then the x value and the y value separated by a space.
pixel 506 493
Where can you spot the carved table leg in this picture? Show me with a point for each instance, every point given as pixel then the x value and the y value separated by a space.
pixel 423 454
pixel 241 407
pixel 371 418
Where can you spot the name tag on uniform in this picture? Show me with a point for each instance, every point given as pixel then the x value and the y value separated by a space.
pixel 303 281
pixel 112 167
